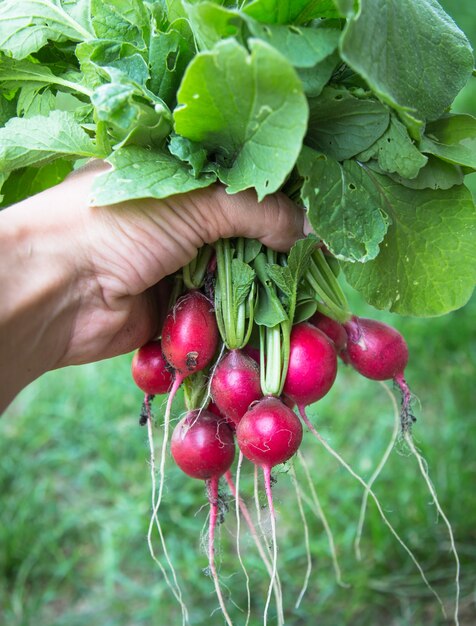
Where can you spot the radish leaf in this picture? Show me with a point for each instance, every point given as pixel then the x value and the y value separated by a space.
pixel 101 60
pixel 344 206
pixel 188 152
pixel 303 47
pixel 27 181
pixel 253 126
pixel 14 74
pixel 169 55
pixel 341 125
pixel 141 173
pixel 436 174
pixel 453 139
pixel 39 139
pixel 27 26
pixel 242 276
pixel 398 48
pixel 314 79
pixel 290 11
pixel 427 263
pixel 121 20
pixel 211 23
pixel 287 278
pixel 395 152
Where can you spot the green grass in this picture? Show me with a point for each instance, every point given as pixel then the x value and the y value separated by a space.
pixel 75 501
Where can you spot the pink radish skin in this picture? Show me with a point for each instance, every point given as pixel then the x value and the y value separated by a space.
pixel 288 401
pixel 189 342
pixel 379 352
pixel 235 385
pixel 212 408
pixel 312 365
pixel 335 331
pixel 149 369
pixel 190 334
pixel 269 433
pixel 375 350
pixel 203 447
pixel 252 352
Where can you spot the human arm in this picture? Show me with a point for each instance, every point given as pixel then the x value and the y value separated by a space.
pixel 80 284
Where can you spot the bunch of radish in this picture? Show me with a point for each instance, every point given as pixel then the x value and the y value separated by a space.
pixel 252 335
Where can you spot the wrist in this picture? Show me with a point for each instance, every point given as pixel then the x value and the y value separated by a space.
pixel 39 281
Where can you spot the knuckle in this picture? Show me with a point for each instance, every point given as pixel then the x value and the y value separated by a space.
pixel 218 216
pixel 282 220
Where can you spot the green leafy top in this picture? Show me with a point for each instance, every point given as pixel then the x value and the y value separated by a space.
pixel 342 104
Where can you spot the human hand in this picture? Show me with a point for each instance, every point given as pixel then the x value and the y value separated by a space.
pixel 88 282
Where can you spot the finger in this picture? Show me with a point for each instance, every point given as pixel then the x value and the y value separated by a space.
pixel 275 221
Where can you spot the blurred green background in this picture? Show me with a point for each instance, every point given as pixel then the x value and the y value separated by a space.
pixel 75 493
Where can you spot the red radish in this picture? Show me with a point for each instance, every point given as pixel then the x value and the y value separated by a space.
pixel 202 445
pixel 331 328
pixel 269 433
pixel 189 342
pixel 150 369
pixel 379 352
pixel 252 352
pixel 288 401
pixel 212 408
pixel 312 365
pixel 190 334
pixel 235 385
pixel 151 373
pixel 375 350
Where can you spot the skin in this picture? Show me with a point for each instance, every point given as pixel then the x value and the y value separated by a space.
pixel 81 284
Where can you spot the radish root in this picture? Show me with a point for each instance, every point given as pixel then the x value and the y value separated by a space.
pixel 175 587
pixel 407 418
pixel 306 538
pixel 213 499
pixel 269 495
pixel 236 494
pixel 344 464
pixel 316 506
pixel 163 453
pixel 423 466
pixel 268 562
pixel 254 534
pixel 376 474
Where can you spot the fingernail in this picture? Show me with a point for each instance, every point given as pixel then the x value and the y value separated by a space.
pixel 306 227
